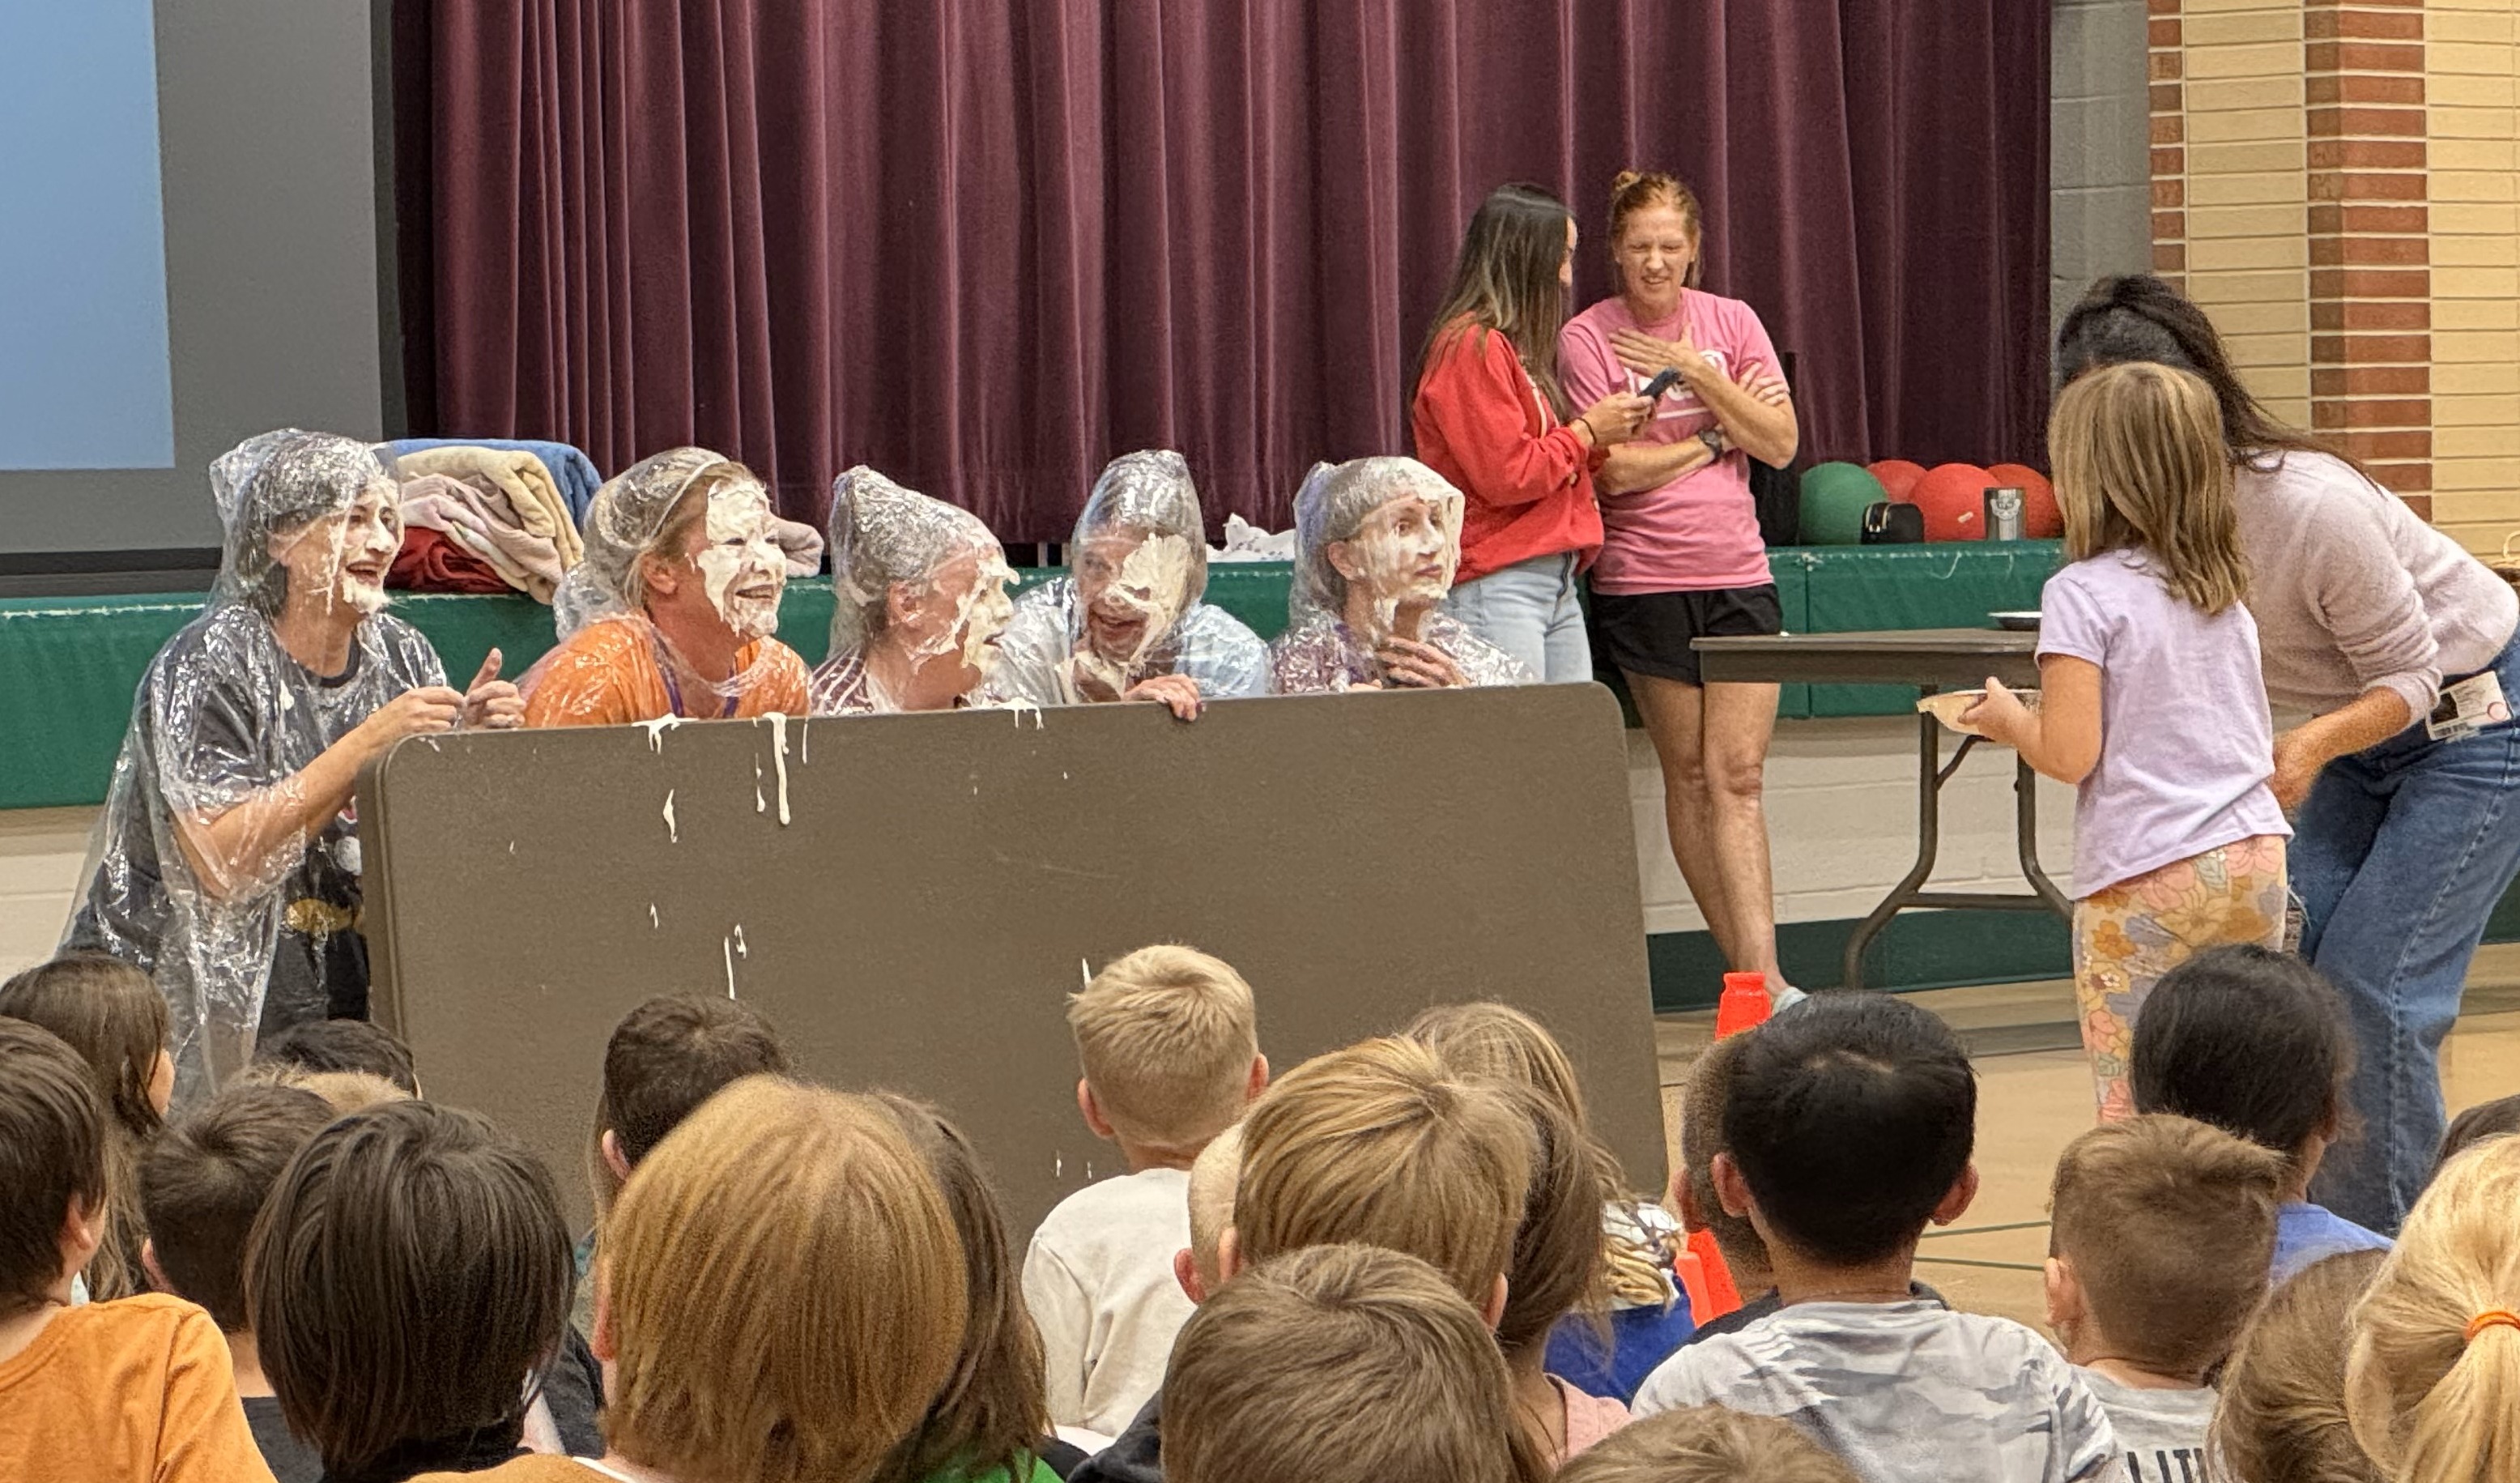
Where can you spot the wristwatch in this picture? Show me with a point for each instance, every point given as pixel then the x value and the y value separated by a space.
pixel 1713 437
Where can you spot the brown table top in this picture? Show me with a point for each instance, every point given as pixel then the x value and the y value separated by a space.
pixel 1928 659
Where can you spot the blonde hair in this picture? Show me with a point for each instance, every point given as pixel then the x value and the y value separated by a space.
pixel 2141 466
pixel 1380 1143
pixel 1341 1363
pixel 1706 1444
pixel 2281 1413
pixel 1701 1137
pixel 349 1092
pixel 785 1290
pixel 2434 1396
pixel 1631 190
pixel 1212 1178
pixel 1166 1037
pixel 2169 1225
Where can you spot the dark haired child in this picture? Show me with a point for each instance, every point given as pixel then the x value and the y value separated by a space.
pixel 134 1391
pixel 2486 1119
pixel 1849 1130
pixel 342 1045
pixel 2255 1043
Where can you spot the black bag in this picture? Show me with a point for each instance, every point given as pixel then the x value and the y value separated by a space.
pixel 1889 522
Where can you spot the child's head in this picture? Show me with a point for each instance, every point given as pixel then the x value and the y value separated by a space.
pixel 1557 1248
pixel 52 1165
pixel 672 1053
pixel 2486 1119
pixel 1382 1144
pixel 1212 1178
pixel 1484 1037
pixel 205 1178
pixel 1170 1047
pixel 408 1274
pixel 1341 1364
pixel 2281 1413
pixel 2432 1386
pixel 1850 1128
pixel 344 1045
pixel 782 1290
pixel 1706 1444
pixel 2251 1041
pixel 2141 466
pixel 1701 1137
pixel 113 1016
pixel 994 1407
pixel 2160 1234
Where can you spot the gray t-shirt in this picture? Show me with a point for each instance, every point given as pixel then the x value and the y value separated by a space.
pixel 2161 1432
pixel 1904 1392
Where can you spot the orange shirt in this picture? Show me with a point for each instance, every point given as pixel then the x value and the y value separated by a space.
pixel 540 1469
pixel 607 675
pixel 137 1390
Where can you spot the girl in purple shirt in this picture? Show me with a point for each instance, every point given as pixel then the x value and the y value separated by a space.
pixel 2151 703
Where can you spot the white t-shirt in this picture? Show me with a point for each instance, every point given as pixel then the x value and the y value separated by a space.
pixel 1904 1392
pixel 1099 1283
pixel 2161 1432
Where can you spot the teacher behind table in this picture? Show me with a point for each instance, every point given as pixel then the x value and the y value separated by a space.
pixel 2407 781
pixel 1682 557
pixel 1492 420
pixel 227 857
pixel 918 601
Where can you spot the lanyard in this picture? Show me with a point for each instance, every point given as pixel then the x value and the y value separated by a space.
pixel 674 692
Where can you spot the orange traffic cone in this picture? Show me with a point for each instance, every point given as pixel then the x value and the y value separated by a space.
pixel 1744 1006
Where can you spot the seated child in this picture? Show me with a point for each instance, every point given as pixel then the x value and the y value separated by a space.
pixel 133 1391
pixel 1170 1051
pixel 1341 1363
pixel 1849 1131
pixel 202 1183
pixel 113 1016
pixel 1706 1444
pixel 2255 1043
pixel 2158 1248
pixel 2282 1412
pixel 1704 1097
pixel 342 1045
pixel 407 1280
pixel 780 1291
pixel 1135 1456
pixel 2486 1119
pixel 2432 1384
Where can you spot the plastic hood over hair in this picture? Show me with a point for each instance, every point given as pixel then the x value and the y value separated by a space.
pixel 622 525
pixel 1334 504
pixel 1151 493
pixel 254 926
pixel 882 535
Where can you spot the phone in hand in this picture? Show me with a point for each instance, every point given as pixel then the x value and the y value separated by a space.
pixel 1661 384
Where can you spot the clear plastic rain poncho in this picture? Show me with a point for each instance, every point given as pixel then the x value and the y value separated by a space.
pixel 1131 610
pixel 252 929
pixel 1398 527
pixel 915 583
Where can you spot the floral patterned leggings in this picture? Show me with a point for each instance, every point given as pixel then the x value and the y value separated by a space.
pixel 2127 935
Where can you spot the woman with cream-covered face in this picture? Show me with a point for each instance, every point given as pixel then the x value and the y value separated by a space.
pixel 228 867
pixel 1380 541
pixel 920 602
pixel 675 609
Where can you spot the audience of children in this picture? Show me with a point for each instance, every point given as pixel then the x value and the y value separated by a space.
pixel 2281 1413
pixel 1168 1044
pixel 2255 1043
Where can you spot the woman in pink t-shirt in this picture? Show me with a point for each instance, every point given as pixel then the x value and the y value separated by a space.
pixel 1680 555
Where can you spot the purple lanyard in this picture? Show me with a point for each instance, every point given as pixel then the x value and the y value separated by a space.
pixel 674 692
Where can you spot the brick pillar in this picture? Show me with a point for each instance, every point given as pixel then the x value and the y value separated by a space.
pixel 2371 278
pixel 2169 133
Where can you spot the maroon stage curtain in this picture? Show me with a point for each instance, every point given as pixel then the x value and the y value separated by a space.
pixel 983 245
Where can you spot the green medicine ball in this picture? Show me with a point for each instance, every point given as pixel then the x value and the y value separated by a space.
pixel 1835 497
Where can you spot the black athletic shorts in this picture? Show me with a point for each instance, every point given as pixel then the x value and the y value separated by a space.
pixel 1648 633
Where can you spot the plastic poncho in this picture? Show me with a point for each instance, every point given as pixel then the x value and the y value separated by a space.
pixel 225 715
pixel 1133 610
pixel 891 544
pixel 1322 650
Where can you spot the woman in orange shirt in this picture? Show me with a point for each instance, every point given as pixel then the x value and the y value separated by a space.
pixel 673 611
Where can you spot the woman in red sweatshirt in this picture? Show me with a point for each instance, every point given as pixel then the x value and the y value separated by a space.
pixel 1492 420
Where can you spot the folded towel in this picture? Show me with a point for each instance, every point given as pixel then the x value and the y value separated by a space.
pixel 515 473
pixel 480 518
pixel 430 562
pixel 803 545
pixel 574 470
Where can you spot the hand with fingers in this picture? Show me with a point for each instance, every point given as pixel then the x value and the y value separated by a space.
pixel 1411 664
pixel 1179 693
pixel 490 701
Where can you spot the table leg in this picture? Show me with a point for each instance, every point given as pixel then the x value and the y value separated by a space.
pixel 1929 837
pixel 2025 825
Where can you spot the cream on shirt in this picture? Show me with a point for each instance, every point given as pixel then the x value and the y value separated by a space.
pixel 1099 1283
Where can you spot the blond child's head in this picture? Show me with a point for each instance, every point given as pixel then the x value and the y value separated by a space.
pixel 1212 1178
pixel 1341 1363
pixel 2280 1415
pixel 2141 466
pixel 2160 1238
pixel 1702 1101
pixel 1169 1044
pixel 1382 1144
pixel 783 1290
pixel 2432 1384
pixel 1705 1444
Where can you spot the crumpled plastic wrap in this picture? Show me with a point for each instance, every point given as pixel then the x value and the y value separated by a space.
pixel 247 924
pixel 1397 526
pixel 1132 608
pixel 915 583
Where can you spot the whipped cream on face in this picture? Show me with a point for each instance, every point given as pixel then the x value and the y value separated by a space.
pixel 743 560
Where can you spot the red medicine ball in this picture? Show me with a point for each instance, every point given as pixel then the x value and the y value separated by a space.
pixel 1953 496
pixel 2039 520
pixel 1897 475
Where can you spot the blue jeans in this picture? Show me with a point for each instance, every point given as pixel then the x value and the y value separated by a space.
pixel 1530 611
pixel 2399 855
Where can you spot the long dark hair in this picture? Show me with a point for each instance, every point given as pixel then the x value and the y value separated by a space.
pixel 2138 317
pixel 1506 282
